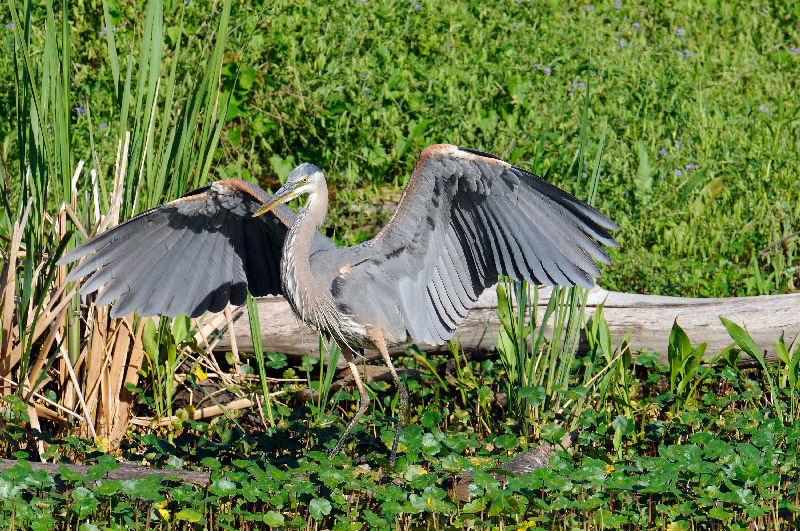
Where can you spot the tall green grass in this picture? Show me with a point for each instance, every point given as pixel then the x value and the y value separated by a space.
pixel 163 135
pixel 543 377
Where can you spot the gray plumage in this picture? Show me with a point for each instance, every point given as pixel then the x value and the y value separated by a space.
pixel 465 218
pixel 191 255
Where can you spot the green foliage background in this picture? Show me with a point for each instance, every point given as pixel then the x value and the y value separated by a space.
pixel 698 107
pixel 359 88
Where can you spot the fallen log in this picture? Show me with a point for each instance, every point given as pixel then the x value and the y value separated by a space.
pixel 648 318
pixel 124 471
pixel 525 463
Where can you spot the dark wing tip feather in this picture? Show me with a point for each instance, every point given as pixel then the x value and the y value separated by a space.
pixel 557 193
pixel 571 201
pixel 479 153
pixel 71 256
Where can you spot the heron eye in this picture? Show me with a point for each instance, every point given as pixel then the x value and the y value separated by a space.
pixel 305 179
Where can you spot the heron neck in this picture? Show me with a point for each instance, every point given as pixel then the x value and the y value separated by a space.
pixel 298 281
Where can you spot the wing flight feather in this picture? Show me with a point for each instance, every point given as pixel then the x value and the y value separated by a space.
pixel 467 217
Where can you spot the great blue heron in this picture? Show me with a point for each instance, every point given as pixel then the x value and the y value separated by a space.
pixel 465 218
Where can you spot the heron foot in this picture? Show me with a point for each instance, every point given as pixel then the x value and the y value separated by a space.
pixel 363 403
pixel 399 423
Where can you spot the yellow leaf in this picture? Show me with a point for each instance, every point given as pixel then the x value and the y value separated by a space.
pixel 199 373
pixel 159 506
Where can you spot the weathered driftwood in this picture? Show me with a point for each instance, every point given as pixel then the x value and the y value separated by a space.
pixel 520 465
pixel 648 318
pixel 124 471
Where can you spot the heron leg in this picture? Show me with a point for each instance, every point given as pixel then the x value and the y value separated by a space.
pixel 377 338
pixel 363 397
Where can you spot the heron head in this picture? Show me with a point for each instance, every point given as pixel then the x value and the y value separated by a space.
pixel 303 179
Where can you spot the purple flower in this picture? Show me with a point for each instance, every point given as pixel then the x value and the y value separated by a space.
pixel 547 70
pixel 678 173
pixel 622 43
pixel 416 7
pixel 635 25
pixel 447 47
pixel 792 49
pixel 10 26
pixel 547 145
pixel 696 166
pixel 617 5
pixel 680 32
pixel 537 65
pixel 689 166
pixel 764 109
pixel 663 151
pixel 363 76
pixel 366 90
pixel 677 144
pixel 575 85
pixel 585 175
pixel 341 173
pixel 102 126
pixel 80 111
pixel 570 145
pixel 589 7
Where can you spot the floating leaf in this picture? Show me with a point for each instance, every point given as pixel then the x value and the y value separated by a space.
pixel 274 519
pixel 319 507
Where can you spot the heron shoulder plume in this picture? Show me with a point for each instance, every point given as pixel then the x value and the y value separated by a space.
pixel 465 218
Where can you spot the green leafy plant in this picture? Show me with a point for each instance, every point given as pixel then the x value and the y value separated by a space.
pixel 746 343
pixel 684 362
pixel 168 348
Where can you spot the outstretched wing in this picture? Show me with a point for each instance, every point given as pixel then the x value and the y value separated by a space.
pixel 467 216
pixel 193 254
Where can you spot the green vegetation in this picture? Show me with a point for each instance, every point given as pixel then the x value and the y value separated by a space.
pixel 722 456
pixel 685 116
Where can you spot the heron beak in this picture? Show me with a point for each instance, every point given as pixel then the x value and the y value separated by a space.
pixel 281 196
